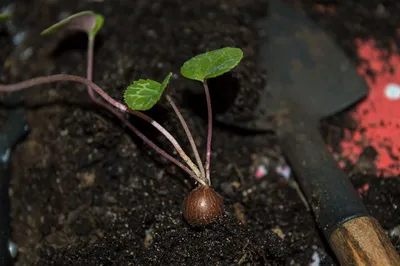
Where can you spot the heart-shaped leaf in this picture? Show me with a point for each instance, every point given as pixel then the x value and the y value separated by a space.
pixel 4 17
pixel 86 21
pixel 211 64
pixel 143 94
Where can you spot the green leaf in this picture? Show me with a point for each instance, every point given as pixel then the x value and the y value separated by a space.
pixel 98 26
pixel 86 21
pixel 4 17
pixel 143 94
pixel 211 64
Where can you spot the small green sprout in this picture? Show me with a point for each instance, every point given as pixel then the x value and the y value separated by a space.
pixel 86 21
pixel 89 22
pixel 202 205
pixel 4 17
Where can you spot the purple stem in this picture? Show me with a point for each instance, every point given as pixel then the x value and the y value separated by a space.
pixel 89 76
pixel 188 134
pixel 209 134
pixel 89 73
pixel 89 70
pixel 173 141
pixel 62 77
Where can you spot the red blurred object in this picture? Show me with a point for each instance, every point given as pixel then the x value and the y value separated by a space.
pixel 378 116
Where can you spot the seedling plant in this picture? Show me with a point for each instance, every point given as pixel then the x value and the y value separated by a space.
pixel 4 17
pixel 202 205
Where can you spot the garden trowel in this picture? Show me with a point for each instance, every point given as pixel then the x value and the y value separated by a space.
pixel 309 78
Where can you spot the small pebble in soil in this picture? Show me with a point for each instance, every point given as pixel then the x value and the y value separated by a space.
pixel 316 259
pixel 261 172
pixel 284 171
pixel 13 249
pixel 395 232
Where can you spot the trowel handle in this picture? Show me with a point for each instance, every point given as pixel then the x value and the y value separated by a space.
pixel 361 241
pixel 355 237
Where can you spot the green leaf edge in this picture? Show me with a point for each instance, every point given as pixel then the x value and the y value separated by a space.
pixel 4 17
pixel 98 26
pixel 211 76
pixel 55 27
pixel 162 85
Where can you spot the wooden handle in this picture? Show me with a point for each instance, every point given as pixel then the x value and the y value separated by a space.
pixel 362 241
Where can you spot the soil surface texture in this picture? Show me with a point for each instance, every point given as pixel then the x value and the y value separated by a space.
pixel 86 191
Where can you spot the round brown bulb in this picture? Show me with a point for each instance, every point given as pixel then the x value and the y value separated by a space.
pixel 202 206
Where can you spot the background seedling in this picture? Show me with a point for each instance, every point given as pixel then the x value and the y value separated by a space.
pixel 91 23
pixel 4 17
pixel 86 21
pixel 203 204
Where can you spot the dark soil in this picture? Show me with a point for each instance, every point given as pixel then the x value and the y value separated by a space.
pixel 86 191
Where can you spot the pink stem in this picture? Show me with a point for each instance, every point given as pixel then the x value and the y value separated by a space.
pixel 161 151
pixel 89 76
pixel 188 134
pixel 209 134
pixel 63 77
pixel 173 141
pixel 141 115
pixel 89 70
